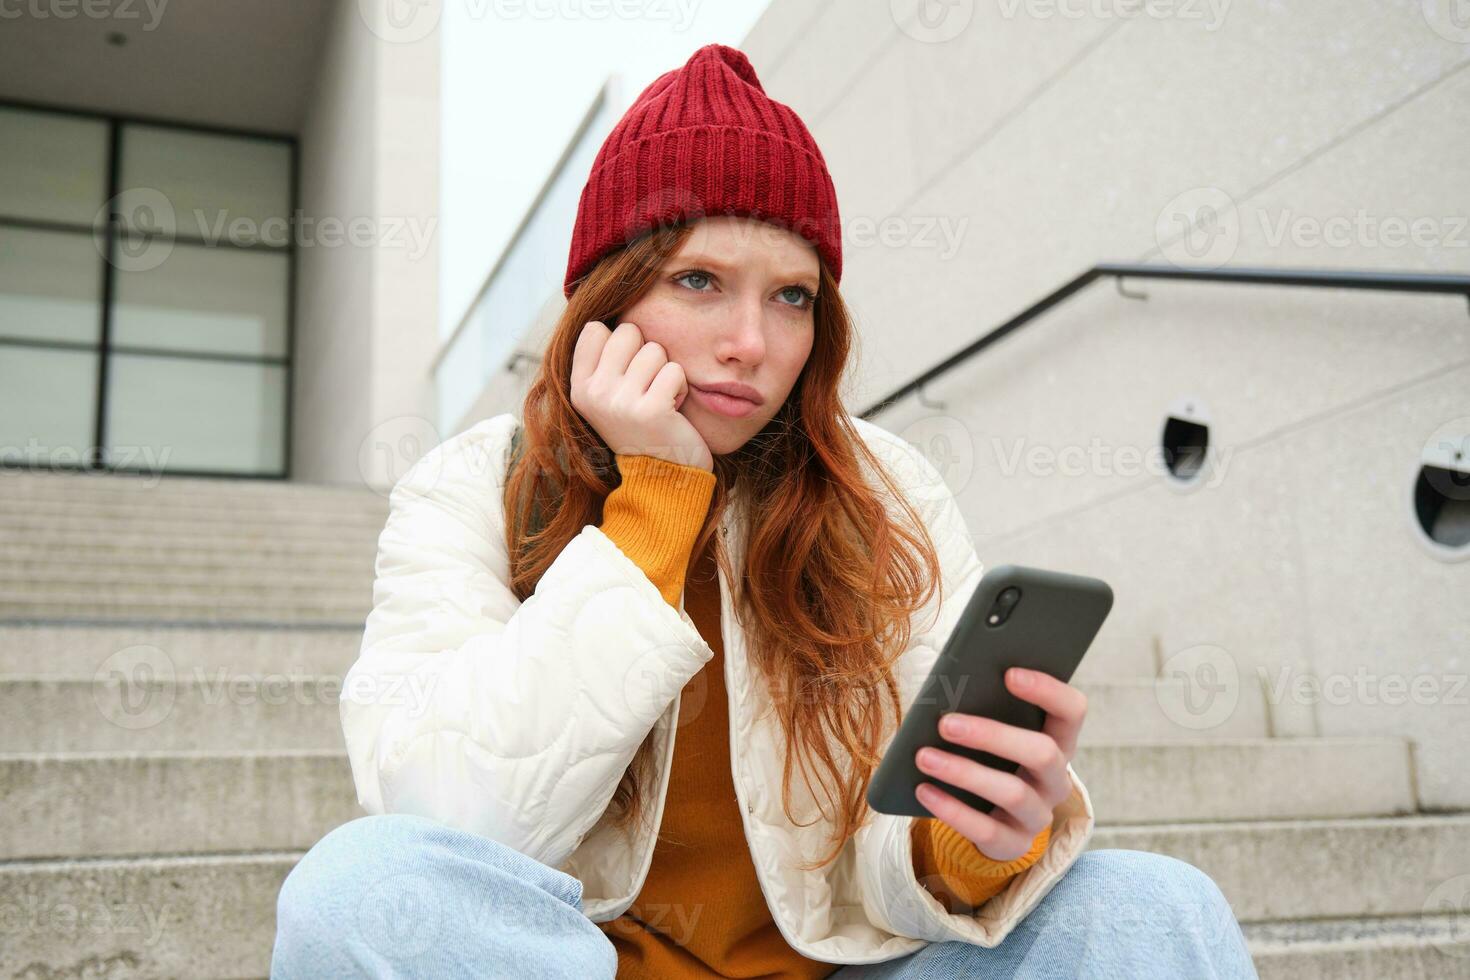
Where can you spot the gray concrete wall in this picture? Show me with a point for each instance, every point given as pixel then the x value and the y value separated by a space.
pixel 982 163
pixel 367 279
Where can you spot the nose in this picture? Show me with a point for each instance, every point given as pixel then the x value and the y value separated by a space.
pixel 742 335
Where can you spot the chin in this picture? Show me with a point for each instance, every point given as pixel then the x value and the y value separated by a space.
pixel 726 436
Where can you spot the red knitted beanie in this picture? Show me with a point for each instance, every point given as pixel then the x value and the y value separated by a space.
pixel 700 140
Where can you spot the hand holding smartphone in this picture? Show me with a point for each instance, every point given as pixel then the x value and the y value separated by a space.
pixel 1018 616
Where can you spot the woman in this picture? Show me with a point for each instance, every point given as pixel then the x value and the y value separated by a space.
pixel 632 661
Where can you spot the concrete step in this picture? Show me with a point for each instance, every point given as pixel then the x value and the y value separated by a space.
pixel 181 590
pixel 213 915
pixel 294 672
pixel 1395 948
pixel 147 607
pixel 122 544
pixel 1118 654
pixel 117 802
pixel 178 527
pixel 347 512
pixel 91 805
pixel 1159 709
pixel 142 579
pixel 153 706
pixel 43 559
pixel 184 491
pixel 269 700
pixel 1246 779
pixel 207 916
pixel 1310 869
pixel 63 649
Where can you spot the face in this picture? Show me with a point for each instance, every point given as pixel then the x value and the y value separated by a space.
pixel 734 305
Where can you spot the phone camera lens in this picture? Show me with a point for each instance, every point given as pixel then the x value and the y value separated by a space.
pixel 1004 603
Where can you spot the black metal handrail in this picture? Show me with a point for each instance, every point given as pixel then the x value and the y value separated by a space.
pixel 1403 282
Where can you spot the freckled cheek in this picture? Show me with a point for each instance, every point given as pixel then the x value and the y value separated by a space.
pixel 793 359
pixel 673 337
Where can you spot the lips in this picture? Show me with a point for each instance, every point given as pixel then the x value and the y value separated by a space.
pixel 723 404
pixel 732 389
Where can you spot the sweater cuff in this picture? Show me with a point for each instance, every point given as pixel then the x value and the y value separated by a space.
pixel 951 866
pixel 654 516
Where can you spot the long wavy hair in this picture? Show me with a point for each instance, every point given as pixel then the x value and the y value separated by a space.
pixel 830 581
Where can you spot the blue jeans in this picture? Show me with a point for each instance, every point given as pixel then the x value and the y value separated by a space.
pixel 403 896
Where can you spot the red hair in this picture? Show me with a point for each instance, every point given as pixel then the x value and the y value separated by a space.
pixel 830 580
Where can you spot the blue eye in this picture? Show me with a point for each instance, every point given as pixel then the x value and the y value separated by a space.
pixel 695 273
pixel 805 297
pixel 808 296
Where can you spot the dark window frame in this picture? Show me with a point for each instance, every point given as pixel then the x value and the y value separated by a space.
pixel 104 347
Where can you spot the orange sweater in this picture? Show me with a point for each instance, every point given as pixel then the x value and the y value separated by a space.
pixel 701 912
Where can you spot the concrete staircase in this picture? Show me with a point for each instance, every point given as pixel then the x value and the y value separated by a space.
pixel 170 662
pixel 1318 843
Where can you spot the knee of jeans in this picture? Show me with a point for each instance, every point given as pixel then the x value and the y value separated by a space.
pixel 1155 883
pixel 341 863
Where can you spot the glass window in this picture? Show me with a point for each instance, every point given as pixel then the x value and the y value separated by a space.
pixel 50 285
pixel 47 405
pixel 53 167
pixel 205 186
pixel 217 299
pixel 169 413
pixel 208 297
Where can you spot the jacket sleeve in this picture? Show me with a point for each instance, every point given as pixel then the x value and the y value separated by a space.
pixel 893 896
pixel 512 720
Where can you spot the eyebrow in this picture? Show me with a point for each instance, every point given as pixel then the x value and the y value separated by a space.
pixel 700 258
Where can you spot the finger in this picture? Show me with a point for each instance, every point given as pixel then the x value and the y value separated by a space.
pixel 588 351
pixel 619 350
pixel 1065 705
pixel 996 839
pixel 646 363
pixel 1053 787
pixel 1007 791
pixel 669 386
pixel 1036 751
pixel 1029 748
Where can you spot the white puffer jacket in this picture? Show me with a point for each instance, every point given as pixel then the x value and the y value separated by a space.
pixel 515 720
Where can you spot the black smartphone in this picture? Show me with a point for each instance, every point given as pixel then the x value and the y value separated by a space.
pixel 1017 617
